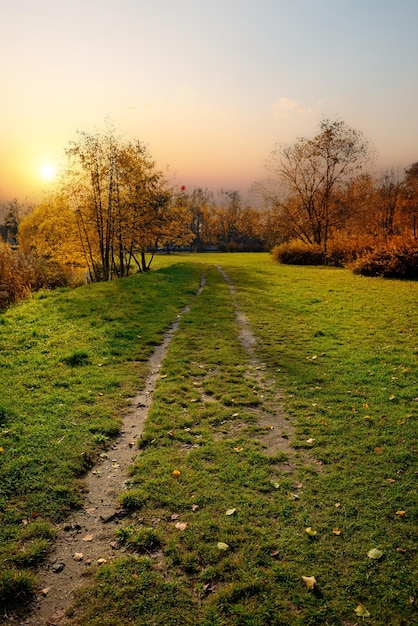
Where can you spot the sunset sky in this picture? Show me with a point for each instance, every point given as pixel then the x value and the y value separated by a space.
pixel 210 86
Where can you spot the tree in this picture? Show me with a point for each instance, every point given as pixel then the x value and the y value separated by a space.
pixel 200 205
pixel 121 202
pixel 388 200
pixel 308 175
pixel 50 232
pixel 410 197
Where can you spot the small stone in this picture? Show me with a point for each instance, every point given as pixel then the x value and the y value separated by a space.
pixel 78 556
pixel 101 561
pixel 108 517
pixel 46 591
pixel 58 567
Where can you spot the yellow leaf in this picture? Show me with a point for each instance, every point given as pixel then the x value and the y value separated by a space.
pixel 176 472
pixel 310 581
pixel 401 513
pixel 222 545
pixel 336 531
pixel 238 449
pixel 1 450
pixel 375 553
pixel 230 512
pixel 361 610
pixel 311 532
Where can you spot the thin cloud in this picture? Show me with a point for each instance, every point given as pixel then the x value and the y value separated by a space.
pixel 285 106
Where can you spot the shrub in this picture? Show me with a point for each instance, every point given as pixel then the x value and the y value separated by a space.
pixel 297 252
pixel 343 249
pixel 48 274
pixel 395 259
pixel 15 276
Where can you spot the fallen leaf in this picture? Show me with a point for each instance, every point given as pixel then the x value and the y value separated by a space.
pixel 391 480
pixel 176 472
pixel 401 550
pixel 310 440
pixel 181 525
pixel 375 553
pixel 337 505
pixel 230 512
pixel 361 610
pixel 222 545
pixel 101 561
pixel 275 484
pixel 88 537
pixel 293 496
pixel 336 531
pixel 78 556
pixel 310 581
pixel 401 513
pixel 1 450
pixel 238 449
pixel 311 532
pixel 392 396
pixel 195 507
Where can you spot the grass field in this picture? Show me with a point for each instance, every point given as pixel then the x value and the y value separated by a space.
pixel 227 538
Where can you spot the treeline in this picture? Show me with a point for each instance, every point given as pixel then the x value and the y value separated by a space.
pixel 113 209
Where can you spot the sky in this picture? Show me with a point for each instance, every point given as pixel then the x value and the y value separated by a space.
pixel 211 87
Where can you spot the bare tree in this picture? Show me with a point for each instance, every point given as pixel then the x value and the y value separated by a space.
pixel 307 176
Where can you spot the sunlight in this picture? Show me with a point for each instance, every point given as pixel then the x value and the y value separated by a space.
pixel 48 171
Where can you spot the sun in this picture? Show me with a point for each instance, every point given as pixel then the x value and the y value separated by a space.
pixel 48 171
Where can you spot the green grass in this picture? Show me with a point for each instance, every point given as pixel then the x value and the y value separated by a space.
pixel 69 361
pixel 341 350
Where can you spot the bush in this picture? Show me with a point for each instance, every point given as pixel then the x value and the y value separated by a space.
pixel 397 259
pixel 20 274
pixel 343 249
pixel 48 274
pixel 297 252
pixel 15 276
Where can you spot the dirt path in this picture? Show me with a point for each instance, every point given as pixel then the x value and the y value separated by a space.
pixel 89 535
pixel 88 538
